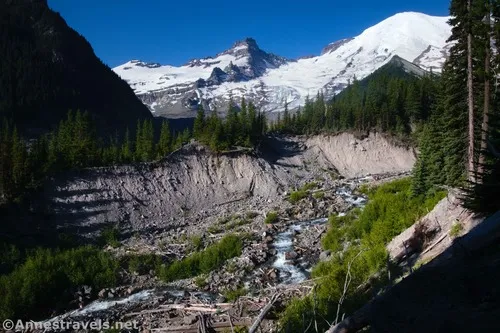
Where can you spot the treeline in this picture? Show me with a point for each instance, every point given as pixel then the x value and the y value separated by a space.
pixel 74 144
pixel 386 102
pixel 459 144
pixel 244 128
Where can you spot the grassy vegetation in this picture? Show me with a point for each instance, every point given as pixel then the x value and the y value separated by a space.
pixel 110 236
pixel 204 261
pixel 302 193
pixel 456 230
pixel 200 281
pixel 230 223
pixel 319 195
pixel 390 210
pixel 142 263
pixel 195 243
pixel 271 217
pixel 42 281
pixel 296 196
pixel 233 294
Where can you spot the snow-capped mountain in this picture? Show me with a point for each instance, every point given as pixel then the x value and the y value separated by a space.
pixel 270 80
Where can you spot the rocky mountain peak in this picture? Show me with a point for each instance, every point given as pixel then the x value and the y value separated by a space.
pixel 248 42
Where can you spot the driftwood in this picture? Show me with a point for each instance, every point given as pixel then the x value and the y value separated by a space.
pixel 185 307
pixel 263 313
pixel 218 327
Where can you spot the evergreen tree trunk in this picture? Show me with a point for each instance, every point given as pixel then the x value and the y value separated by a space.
pixel 486 110
pixel 470 99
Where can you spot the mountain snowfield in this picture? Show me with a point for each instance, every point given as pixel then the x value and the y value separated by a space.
pixel 271 81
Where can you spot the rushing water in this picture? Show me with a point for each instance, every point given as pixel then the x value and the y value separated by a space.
pixel 291 272
pixel 129 301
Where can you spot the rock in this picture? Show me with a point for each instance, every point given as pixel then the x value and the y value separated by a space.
pixel 87 290
pixel 131 290
pixel 189 320
pixel 292 255
pixel 269 239
pixel 325 255
pixel 102 293
pixel 221 299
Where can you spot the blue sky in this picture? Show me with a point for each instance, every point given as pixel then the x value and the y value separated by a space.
pixel 175 31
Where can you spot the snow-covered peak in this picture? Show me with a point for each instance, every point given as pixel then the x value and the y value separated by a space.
pixel 406 34
pixel 245 70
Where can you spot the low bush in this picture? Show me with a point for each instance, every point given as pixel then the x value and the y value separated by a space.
pixel 46 277
pixel 143 263
pixel 296 196
pixel 271 217
pixel 391 209
pixel 319 195
pixel 456 230
pixel 110 236
pixel 233 294
pixel 203 262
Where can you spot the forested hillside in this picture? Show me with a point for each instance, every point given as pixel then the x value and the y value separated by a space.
pixel 459 144
pixel 394 99
pixel 48 68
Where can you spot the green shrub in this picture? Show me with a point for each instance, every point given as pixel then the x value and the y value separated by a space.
pixel 233 294
pixel 143 263
pixel 200 281
pixel 310 186
pixel 390 210
pixel 110 236
pixel 319 195
pixel 251 215
pixel 456 230
pixel 203 262
pixel 195 243
pixel 271 217
pixel 41 282
pixel 215 229
pixel 296 196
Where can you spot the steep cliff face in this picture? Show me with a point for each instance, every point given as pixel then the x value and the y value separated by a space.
pixel 358 157
pixel 48 68
pixel 194 180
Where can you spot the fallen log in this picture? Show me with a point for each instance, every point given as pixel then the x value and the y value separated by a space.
pixel 263 313
pixel 218 327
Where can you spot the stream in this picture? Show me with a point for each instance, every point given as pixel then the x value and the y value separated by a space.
pixel 293 272
pixel 290 272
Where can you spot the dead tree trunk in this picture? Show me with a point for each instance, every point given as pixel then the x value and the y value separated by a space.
pixel 263 313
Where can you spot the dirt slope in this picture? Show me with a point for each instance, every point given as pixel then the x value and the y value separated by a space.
pixel 193 181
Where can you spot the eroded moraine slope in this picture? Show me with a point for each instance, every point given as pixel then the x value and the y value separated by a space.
pixel 193 183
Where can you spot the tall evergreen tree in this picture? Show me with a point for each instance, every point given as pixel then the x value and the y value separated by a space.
pixel 164 143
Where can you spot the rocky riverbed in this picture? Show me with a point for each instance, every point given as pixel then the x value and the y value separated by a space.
pixel 276 257
pixel 161 208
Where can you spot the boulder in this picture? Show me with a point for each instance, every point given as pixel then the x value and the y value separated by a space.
pixel 189 320
pixel 292 255
pixel 325 255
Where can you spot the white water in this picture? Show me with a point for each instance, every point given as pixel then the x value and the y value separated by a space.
pixel 141 296
pixel 290 272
